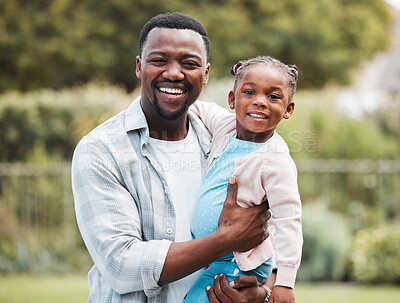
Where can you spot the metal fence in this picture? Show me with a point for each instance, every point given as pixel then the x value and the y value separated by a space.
pixel 36 200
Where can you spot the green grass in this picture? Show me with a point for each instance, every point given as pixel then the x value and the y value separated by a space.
pixel 43 289
pixel 345 293
pixel 74 289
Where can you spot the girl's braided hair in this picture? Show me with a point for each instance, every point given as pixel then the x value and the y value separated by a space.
pixel 291 70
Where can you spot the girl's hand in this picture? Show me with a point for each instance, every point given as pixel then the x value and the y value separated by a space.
pixel 282 294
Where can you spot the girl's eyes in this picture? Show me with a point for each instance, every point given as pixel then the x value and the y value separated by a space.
pixel 248 92
pixel 274 97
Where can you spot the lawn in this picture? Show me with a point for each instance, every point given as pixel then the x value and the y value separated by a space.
pixel 74 289
pixel 43 289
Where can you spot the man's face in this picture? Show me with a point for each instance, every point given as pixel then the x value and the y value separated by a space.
pixel 173 70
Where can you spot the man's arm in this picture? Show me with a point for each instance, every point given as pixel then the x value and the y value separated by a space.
pixel 238 229
pixel 110 224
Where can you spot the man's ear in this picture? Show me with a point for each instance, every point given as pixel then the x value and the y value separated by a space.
pixel 207 73
pixel 138 67
pixel 231 100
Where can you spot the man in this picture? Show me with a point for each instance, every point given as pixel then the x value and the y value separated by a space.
pixel 135 180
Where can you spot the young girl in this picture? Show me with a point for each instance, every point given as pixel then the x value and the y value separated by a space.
pixel 247 146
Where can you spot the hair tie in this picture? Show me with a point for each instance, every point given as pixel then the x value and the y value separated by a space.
pixel 235 68
pixel 293 69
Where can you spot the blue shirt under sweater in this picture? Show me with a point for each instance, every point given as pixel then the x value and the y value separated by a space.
pixel 213 194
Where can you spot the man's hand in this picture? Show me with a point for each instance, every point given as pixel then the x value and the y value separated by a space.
pixel 239 229
pixel 282 294
pixel 244 289
pixel 243 228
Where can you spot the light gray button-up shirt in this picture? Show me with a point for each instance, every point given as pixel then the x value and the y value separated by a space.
pixel 123 207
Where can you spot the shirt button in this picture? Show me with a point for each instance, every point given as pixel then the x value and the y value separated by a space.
pixel 169 230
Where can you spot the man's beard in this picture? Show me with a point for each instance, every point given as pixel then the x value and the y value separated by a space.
pixel 169 116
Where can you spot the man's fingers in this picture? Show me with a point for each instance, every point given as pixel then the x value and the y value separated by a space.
pixel 211 295
pixel 221 287
pixel 244 281
pixel 264 206
pixel 232 190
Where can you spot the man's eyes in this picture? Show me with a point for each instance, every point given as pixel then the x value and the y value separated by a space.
pixel 186 64
pixel 157 60
pixel 190 64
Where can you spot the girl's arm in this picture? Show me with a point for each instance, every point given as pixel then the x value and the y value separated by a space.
pixel 277 181
pixel 212 115
pixel 280 182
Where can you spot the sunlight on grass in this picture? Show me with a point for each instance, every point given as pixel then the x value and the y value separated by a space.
pixel 74 288
pixel 43 289
pixel 345 293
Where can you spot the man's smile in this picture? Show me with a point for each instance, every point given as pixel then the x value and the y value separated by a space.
pixel 170 90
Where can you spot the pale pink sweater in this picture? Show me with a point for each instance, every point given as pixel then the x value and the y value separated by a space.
pixel 268 172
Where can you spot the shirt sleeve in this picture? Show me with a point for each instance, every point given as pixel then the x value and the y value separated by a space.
pixel 110 224
pixel 212 115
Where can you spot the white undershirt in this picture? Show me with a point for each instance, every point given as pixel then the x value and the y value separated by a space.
pixel 181 162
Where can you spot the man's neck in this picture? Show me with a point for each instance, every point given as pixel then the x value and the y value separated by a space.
pixel 164 129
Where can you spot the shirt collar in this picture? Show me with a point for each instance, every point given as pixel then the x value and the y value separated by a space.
pixel 136 120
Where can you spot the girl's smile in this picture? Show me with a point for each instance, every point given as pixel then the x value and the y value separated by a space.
pixel 261 100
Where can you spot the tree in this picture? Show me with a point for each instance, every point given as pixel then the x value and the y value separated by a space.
pixel 58 43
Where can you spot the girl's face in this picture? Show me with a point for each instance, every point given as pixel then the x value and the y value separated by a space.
pixel 261 100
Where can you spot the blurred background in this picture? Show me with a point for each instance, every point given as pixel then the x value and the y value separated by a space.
pixel 67 65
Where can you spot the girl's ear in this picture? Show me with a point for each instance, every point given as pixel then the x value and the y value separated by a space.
pixel 289 110
pixel 231 100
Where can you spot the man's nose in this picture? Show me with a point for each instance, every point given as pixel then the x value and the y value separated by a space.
pixel 173 72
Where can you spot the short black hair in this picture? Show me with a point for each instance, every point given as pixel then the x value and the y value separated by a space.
pixel 174 20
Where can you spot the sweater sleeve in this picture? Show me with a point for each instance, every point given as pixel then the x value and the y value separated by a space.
pixel 212 115
pixel 271 173
pixel 280 183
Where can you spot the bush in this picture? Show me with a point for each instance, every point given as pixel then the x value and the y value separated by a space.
pixel 55 119
pixel 376 255
pixel 327 242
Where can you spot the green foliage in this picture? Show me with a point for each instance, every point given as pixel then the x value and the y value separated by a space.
pixel 376 255
pixel 326 244
pixel 38 232
pixel 53 121
pixel 319 130
pixel 58 43
pixel 386 116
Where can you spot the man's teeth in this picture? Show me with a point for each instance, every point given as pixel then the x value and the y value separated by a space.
pixel 258 116
pixel 171 90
